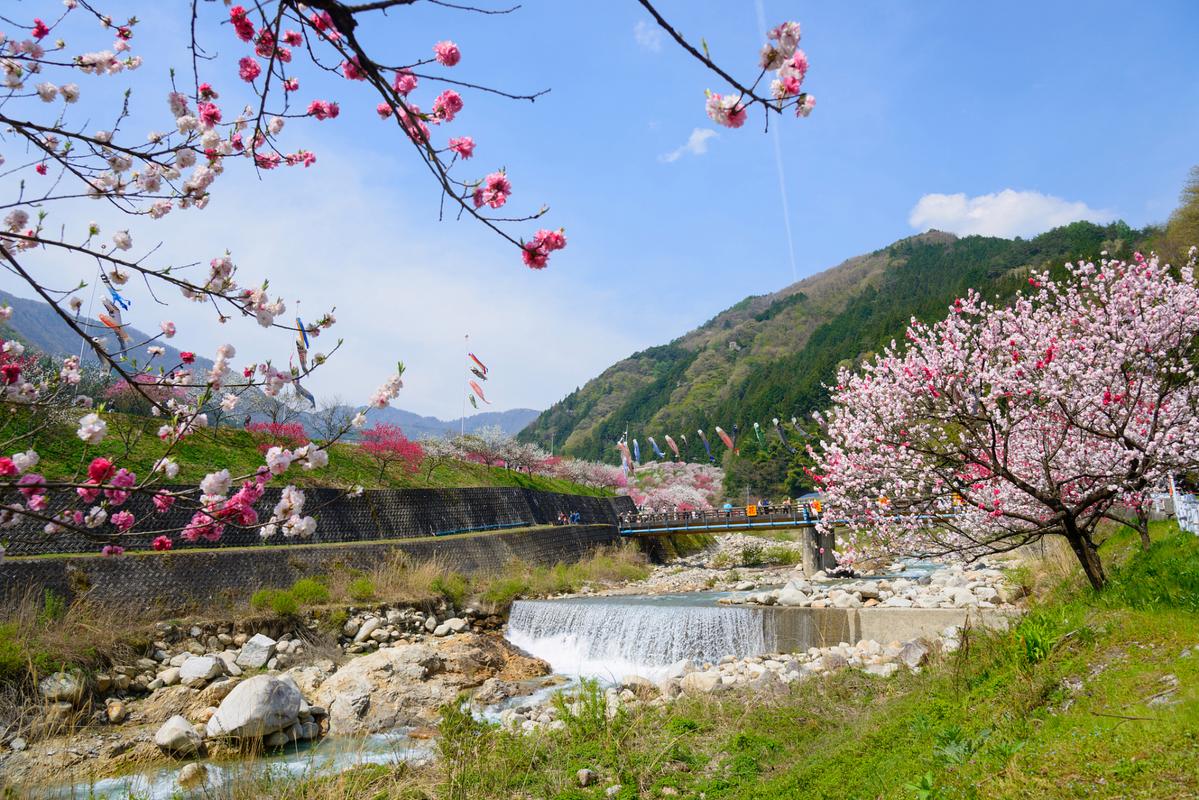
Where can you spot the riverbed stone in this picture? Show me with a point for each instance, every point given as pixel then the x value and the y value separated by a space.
pixel 367 629
pixel 913 654
pixel 62 687
pixel 700 682
pixel 256 707
pixel 586 777
pixel 457 624
pixel 178 737
pixel 256 652
pixel 199 670
pixel 192 776
pixel 791 596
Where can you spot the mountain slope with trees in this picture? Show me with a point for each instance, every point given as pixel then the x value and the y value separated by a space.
pixel 771 355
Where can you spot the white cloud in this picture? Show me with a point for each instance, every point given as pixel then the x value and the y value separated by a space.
pixel 696 145
pixel 649 37
pixel 1007 213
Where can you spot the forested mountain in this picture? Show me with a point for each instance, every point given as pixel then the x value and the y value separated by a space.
pixel 770 355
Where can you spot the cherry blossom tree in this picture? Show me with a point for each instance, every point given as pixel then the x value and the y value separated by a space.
pixel 1000 425
pixel 67 132
pixel 388 445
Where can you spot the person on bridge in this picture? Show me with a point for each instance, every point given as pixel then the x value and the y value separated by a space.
pixel 727 508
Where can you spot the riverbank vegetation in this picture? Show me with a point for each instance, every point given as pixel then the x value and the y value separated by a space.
pixel 1091 694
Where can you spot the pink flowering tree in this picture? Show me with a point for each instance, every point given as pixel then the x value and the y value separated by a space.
pixel 244 103
pixel 1000 425
pixel 676 486
pixel 387 445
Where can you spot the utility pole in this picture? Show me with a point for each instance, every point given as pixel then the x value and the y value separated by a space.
pixel 465 389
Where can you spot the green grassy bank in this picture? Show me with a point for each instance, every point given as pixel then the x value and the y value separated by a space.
pixel 1089 696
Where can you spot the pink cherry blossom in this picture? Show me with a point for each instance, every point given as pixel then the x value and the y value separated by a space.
pixel 323 109
pixel 122 521
pixel 464 146
pixel 447 105
pixel 162 543
pixel 447 53
pixel 493 191
pixel 248 69
pixel 404 82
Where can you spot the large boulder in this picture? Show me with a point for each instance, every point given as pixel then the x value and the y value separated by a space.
pixel 178 737
pixel 257 707
pixel 256 652
pixel 407 685
pixel 913 654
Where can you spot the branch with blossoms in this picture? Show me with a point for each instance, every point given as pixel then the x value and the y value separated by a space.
pixel 174 168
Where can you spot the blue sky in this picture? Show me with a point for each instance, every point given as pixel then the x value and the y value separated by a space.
pixel 1079 112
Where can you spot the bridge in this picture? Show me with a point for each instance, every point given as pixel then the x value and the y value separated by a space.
pixel 726 520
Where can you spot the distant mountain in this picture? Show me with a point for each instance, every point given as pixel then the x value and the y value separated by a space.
pixel 771 355
pixel 417 427
pixel 38 326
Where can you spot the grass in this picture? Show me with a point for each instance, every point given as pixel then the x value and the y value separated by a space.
pixel 133 440
pixel 1090 695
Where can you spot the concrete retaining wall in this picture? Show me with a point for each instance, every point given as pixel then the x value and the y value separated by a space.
pixel 185 580
pixel 797 629
pixel 376 514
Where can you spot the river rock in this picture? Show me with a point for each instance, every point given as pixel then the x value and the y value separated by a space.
pixel 192 776
pixel 257 707
pixel 367 629
pixel 178 737
pixel 457 624
pixel 310 676
pixel 64 687
pixel 882 670
pixel 257 650
pixel 586 777
pixel 961 598
pixel 913 654
pixel 700 682
pixel 200 670
pixel 442 630
pixel 833 661
pixel 791 596
pixel 115 711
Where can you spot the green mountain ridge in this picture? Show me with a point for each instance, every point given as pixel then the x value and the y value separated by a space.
pixel 771 355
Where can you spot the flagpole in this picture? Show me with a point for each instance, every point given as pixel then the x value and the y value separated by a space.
pixel 465 388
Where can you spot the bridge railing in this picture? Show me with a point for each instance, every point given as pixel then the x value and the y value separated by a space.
pixel 800 515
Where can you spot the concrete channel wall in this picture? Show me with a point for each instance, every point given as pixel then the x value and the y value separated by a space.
pixel 187 580
pixel 796 629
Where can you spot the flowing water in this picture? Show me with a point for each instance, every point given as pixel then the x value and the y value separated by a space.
pixel 652 636
pixel 328 757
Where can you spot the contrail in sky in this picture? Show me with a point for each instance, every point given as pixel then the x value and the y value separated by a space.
pixel 778 161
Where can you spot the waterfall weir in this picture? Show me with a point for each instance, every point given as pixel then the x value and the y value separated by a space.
pixel 613 637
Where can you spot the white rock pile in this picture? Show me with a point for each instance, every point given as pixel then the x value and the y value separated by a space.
pixel 953 586
pixel 757 673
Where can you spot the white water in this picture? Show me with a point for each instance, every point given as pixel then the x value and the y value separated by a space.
pixel 614 637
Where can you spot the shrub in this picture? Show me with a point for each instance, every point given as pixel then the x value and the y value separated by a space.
pixel 54 607
pixel 1037 634
pixel 452 586
pixel 752 555
pixel 280 601
pixel 310 592
pixel 504 590
pixel 362 589
pixel 782 555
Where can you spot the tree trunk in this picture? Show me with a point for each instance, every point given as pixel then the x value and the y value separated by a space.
pixel 1088 556
pixel 1142 526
